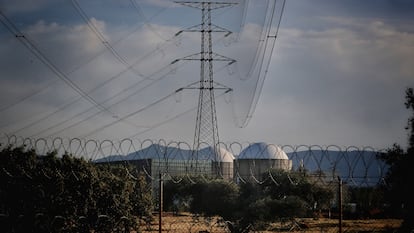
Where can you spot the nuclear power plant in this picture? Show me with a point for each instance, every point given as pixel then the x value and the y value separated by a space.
pixel 251 163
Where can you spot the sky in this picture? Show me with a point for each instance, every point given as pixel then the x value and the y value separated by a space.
pixel 336 75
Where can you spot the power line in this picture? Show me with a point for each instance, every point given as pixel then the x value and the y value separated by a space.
pixel 33 48
pixel 117 121
pixel 119 101
pixel 169 119
pixel 101 37
pixel 138 9
pixel 131 114
pixel 28 96
pixel 107 100
pixel 148 77
pixel 265 51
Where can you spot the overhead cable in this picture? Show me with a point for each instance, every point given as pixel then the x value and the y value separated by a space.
pixel 101 37
pixel 33 48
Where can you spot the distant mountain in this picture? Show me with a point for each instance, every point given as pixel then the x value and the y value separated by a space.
pixel 156 151
pixel 352 166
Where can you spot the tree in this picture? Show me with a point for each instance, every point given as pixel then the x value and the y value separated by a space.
pixel 368 200
pixel 207 197
pixel 409 104
pixel 398 191
pixel 286 195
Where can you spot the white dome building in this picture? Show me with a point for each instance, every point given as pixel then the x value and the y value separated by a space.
pixel 221 162
pixel 223 166
pixel 259 158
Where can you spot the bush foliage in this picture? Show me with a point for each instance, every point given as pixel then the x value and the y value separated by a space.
pixel 47 191
pixel 248 205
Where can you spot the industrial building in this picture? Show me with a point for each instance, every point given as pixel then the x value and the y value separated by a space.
pixel 175 163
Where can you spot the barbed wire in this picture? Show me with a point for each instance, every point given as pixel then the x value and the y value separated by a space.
pixel 237 162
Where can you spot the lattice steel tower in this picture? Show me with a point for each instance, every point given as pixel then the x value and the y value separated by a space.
pixel 206 129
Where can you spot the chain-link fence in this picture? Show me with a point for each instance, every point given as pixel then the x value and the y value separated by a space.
pixel 338 188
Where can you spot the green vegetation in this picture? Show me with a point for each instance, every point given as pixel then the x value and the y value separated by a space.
pixel 250 205
pixel 46 193
pixel 398 191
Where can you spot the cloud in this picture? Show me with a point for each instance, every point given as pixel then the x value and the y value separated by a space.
pixel 341 84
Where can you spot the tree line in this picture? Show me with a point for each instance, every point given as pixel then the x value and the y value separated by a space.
pixel 397 183
pixel 47 193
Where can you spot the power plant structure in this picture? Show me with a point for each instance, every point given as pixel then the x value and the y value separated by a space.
pixel 250 164
pixel 258 159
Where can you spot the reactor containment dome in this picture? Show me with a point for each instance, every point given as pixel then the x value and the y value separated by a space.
pixel 256 160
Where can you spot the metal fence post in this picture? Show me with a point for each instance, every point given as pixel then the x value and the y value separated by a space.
pixel 160 203
pixel 340 203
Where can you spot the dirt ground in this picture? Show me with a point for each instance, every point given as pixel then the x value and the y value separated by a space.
pixel 189 223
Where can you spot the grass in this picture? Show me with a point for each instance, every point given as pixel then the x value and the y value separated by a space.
pixel 186 222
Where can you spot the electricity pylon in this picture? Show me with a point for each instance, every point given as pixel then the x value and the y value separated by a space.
pixel 206 129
